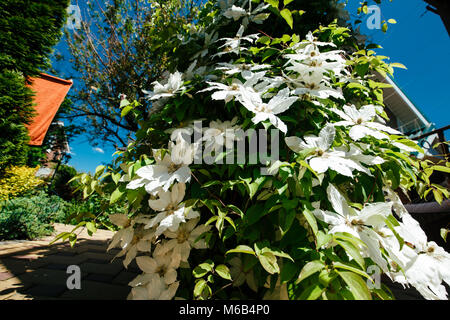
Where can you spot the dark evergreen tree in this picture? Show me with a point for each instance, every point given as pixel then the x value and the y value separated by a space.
pixel 28 31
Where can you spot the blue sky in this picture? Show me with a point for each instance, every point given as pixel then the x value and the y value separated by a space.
pixel 419 40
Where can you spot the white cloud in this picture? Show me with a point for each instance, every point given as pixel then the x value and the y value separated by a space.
pixel 98 150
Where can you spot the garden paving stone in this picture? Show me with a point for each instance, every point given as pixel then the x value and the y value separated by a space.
pixel 6 276
pixel 124 277
pixel 45 276
pixel 19 266
pixel 100 277
pixel 110 269
pixel 98 256
pixel 67 260
pixel 93 290
pixel 10 286
pixel 37 269
pixel 45 290
pixel 56 266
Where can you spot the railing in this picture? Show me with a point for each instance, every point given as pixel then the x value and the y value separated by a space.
pixel 441 137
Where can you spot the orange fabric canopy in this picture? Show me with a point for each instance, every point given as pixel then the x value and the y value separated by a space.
pixel 49 94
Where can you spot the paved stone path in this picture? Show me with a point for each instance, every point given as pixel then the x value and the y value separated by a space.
pixel 37 270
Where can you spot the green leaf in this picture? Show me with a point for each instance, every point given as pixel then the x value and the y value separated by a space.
pixel 223 271
pixel 208 265
pixel 397 65
pixel 273 3
pixel 384 27
pixel 124 103
pixel 287 15
pixel 323 238
pixel 277 252
pixel 286 218
pixel 356 285
pixel 438 196
pixel 199 272
pixel 116 195
pixel 309 269
pixel 391 225
pixel 211 183
pixel 326 276
pixel 199 287
pixel 365 9
pixel 72 239
pixel 392 21
pixel 348 267
pixel 352 251
pixel 99 170
pixel 236 210
pixel 264 40
pixel 311 220
pixel 255 213
pixel 63 236
pixel 242 249
pixel 126 110
pixel 441 168
pixel 288 271
pixel 313 292
pixel 269 262
pixel 116 177
pixel 444 233
pixel 90 226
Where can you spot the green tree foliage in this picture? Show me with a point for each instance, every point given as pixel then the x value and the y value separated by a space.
pixel 15 110
pixel 121 48
pixel 29 30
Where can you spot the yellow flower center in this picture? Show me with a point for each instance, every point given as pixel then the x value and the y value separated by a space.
pixel 161 271
pixel 261 108
pixel 182 236
pixel 173 167
pixel 234 86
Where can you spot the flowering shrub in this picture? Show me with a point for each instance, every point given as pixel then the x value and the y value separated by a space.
pixel 208 220
pixel 16 181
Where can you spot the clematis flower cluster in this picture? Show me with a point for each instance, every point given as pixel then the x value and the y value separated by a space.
pixel 162 238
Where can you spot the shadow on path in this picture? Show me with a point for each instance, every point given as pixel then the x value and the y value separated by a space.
pixel 37 270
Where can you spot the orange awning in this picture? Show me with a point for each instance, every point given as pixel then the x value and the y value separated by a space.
pixel 49 94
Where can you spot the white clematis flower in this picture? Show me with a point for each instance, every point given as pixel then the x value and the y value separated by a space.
pixel 172 213
pixel 312 60
pixel 268 111
pixel 231 69
pixel 311 41
pixel 235 13
pixel 361 224
pixel 220 134
pixel 155 289
pixel 233 45
pixel 324 157
pixel 228 92
pixel 173 86
pixel 255 16
pixel 132 240
pixel 313 84
pixel 168 169
pixel 425 265
pixel 181 241
pixel 361 122
pixel 158 282
pixel 210 38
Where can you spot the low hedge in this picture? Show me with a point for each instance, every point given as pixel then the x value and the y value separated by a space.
pixel 31 217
